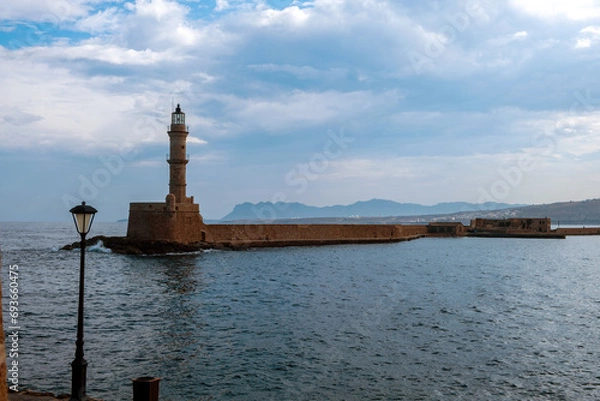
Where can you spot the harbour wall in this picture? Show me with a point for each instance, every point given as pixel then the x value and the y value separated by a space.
pixel 578 231
pixel 181 222
pixel 271 235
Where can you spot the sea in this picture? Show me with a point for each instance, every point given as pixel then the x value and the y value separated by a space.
pixel 429 319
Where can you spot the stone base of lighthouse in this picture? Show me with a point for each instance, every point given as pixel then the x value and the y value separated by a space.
pixel 168 221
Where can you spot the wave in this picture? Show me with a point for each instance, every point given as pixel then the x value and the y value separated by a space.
pixel 99 247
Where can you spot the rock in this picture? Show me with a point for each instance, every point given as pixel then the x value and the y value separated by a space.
pixel 124 245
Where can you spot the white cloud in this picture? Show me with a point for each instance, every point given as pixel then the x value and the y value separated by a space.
pixel 107 20
pixel 301 72
pixel 46 11
pixel 288 17
pixel 195 141
pixel 221 5
pixel 520 35
pixel 153 163
pixel 587 37
pixel 505 40
pixel 593 30
pixel 554 9
pixel 561 135
pixel 159 25
pixel 583 43
pixel 96 52
pixel 290 111
pixel 158 10
pixel 73 113
pixel 578 135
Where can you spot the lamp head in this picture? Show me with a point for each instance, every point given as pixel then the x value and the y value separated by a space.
pixel 83 216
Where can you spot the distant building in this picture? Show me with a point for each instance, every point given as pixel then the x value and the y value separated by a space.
pixel 445 229
pixel 512 226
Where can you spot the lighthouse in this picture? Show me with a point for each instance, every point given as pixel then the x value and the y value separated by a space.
pixel 177 157
pixel 178 218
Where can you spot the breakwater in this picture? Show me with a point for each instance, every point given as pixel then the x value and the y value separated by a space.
pixel 277 235
pixel 244 236
pixel 578 231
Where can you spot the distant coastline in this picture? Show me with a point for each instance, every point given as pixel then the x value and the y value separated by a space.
pixel 371 208
pixel 578 213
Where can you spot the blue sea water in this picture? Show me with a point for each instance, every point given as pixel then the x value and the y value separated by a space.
pixel 430 319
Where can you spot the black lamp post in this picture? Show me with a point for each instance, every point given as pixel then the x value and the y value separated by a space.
pixel 83 216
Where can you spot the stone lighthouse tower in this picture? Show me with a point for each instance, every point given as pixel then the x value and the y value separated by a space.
pixel 178 217
pixel 177 157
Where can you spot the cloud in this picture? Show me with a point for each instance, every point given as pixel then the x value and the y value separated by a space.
pixel 578 135
pixel 578 10
pixel 17 117
pixel 221 5
pixel 196 141
pixel 593 30
pixel 45 11
pixel 102 21
pixel 158 25
pixel 430 91
pixel 520 35
pixel 70 112
pixel 152 34
pixel 210 158
pixel 418 179
pixel 587 37
pixel 305 109
pixel 302 72
pixel 95 52
pixel 327 30
pixel 583 43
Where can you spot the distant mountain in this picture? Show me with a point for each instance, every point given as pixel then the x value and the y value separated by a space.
pixel 585 212
pixel 371 208
pixel 573 212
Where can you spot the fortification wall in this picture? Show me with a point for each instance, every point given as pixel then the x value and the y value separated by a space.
pixel 415 230
pixel 149 221
pixel 303 234
pixel 512 225
pixel 179 222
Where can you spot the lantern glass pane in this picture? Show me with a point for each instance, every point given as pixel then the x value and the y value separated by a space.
pixel 83 222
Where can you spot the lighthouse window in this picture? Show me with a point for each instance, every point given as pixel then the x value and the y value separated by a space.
pixel 178 118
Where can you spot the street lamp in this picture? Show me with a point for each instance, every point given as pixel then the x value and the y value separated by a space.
pixel 83 216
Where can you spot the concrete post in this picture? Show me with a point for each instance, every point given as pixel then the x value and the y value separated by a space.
pixel 3 371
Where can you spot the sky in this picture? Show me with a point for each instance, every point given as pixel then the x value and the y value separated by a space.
pixel 322 102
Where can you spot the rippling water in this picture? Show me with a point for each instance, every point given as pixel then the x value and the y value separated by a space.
pixel 432 319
